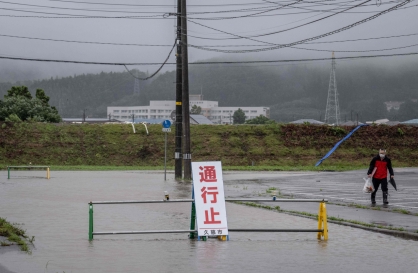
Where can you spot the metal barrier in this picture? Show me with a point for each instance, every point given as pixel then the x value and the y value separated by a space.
pixel 322 218
pixel 28 167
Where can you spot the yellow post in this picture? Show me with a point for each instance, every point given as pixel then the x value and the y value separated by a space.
pixel 222 237
pixel 47 173
pixel 322 221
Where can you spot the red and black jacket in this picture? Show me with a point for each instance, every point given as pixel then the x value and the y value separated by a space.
pixel 383 165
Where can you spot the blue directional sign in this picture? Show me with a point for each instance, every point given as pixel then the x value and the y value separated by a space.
pixel 166 123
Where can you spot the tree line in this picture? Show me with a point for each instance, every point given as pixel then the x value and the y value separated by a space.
pixel 292 92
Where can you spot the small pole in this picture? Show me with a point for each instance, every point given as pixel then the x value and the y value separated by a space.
pixel 90 221
pixel 47 173
pixel 8 172
pixel 165 157
pixel 322 221
pixel 192 217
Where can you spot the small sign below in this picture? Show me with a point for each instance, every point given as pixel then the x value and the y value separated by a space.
pixel 167 130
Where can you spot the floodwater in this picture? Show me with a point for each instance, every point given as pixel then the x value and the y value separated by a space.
pixel 55 211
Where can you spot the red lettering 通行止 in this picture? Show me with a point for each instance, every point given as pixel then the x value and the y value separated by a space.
pixel 212 217
pixel 208 174
pixel 209 190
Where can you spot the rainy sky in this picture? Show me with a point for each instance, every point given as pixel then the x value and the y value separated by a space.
pixel 143 31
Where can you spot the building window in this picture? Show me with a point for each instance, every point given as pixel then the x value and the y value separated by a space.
pixel 115 111
pixel 124 111
pixel 153 111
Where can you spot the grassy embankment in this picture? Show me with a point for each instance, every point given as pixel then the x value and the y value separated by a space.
pixel 14 235
pixel 243 147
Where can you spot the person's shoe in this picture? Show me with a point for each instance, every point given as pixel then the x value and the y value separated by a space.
pixel 385 198
pixel 373 198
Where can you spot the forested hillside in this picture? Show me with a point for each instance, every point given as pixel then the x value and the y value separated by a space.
pixel 292 92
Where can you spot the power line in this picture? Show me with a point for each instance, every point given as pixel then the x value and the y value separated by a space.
pixel 158 70
pixel 80 42
pixel 155 45
pixel 291 13
pixel 208 63
pixel 356 51
pixel 142 5
pixel 167 45
pixel 155 17
pixel 275 32
pixel 309 39
pixel 78 16
pixel 95 10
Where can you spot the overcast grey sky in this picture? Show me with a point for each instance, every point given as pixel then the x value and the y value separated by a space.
pixel 31 19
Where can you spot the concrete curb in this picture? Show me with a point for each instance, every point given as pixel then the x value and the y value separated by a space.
pixel 400 234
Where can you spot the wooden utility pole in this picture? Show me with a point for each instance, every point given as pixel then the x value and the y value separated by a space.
pixel 178 165
pixel 187 156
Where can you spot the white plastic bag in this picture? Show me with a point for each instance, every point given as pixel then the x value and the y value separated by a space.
pixel 368 185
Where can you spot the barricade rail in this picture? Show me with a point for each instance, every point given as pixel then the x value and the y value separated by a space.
pixel 322 231
pixel 29 167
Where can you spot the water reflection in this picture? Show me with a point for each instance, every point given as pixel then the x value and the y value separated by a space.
pixel 56 212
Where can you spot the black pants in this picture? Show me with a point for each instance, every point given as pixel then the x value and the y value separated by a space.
pixel 378 182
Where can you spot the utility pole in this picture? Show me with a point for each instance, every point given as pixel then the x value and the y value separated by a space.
pixel 187 156
pixel 84 115
pixel 332 113
pixel 178 164
pixel 133 118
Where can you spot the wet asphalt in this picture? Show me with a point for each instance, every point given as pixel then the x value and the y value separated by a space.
pixel 60 204
pixel 343 190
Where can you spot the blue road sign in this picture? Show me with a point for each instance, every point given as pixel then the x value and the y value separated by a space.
pixel 166 123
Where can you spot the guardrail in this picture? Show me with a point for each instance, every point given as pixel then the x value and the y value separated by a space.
pixel 322 231
pixel 28 167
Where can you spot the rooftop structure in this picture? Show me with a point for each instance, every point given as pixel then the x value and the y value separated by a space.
pixel 411 122
pixel 305 121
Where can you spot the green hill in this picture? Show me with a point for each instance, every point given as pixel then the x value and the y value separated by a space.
pixel 274 146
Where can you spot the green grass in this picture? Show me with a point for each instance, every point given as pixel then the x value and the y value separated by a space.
pixel 403 211
pixel 171 168
pixel 14 235
pixel 275 147
pixel 332 218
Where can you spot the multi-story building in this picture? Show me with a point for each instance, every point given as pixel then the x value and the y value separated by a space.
pixel 162 110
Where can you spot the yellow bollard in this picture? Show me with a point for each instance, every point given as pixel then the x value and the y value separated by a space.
pixel 222 237
pixel 322 221
pixel 47 173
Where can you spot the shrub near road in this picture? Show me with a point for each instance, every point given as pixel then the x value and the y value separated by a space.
pixel 274 146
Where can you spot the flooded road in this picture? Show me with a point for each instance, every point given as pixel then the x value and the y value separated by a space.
pixel 55 211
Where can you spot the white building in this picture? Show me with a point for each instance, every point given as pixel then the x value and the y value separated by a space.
pixel 162 109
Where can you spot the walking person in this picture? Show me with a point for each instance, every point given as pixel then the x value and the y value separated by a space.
pixel 378 171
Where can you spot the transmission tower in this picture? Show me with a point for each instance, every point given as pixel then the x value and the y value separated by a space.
pixel 136 85
pixel 332 113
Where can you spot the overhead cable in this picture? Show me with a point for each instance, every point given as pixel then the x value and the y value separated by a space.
pixel 207 63
pixel 275 32
pixel 158 70
pixel 308 39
